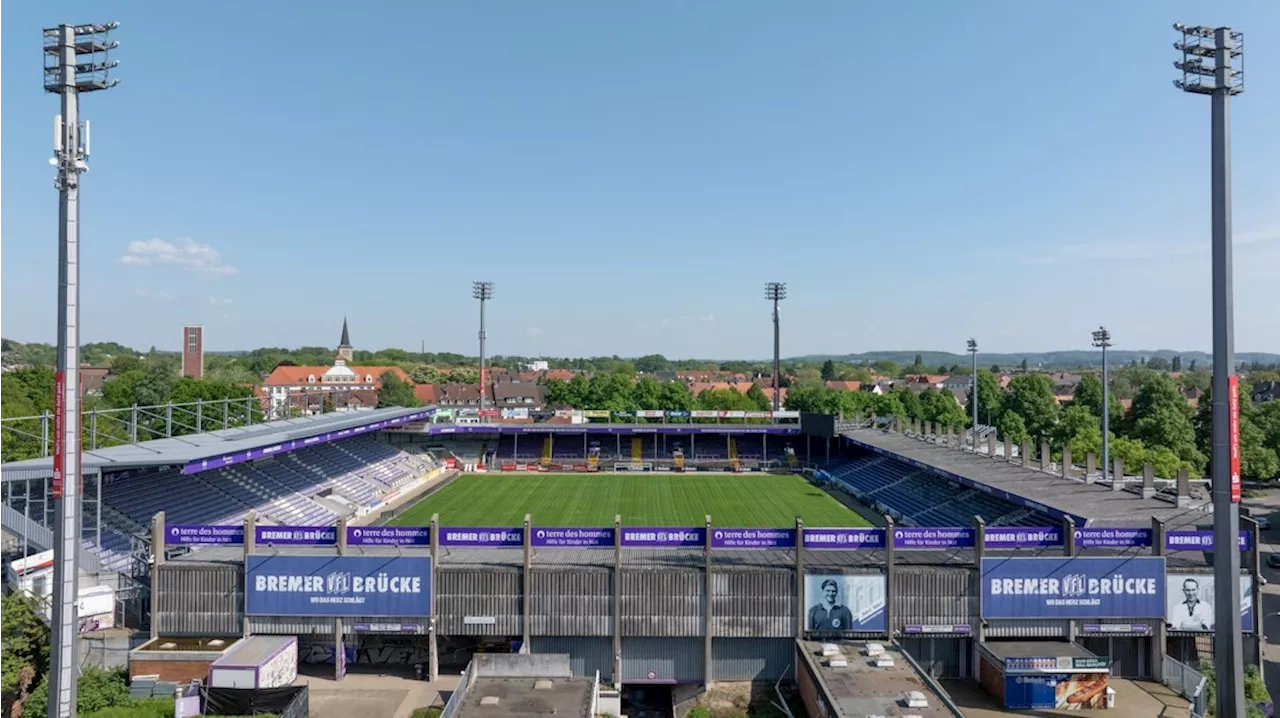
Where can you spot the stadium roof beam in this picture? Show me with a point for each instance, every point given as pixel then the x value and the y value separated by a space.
pixel 76 60
pixel 1207 69
pixel 776 292
pixel 484 292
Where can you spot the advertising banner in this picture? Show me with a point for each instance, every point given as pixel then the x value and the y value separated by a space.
pixel 595 413
pixel 1200 540
pixel 337 586
pixel 1233 433
pixel 642 537
pixel 59 432
pixel 651 413
pixel 389 535
pixel 296 535
pixel 1113 538
pixel 785 414
pixel 847 539
pixel 1020 537
pixel 758 414
pixel 482 537
pixel 204 535
pixel 1080 587
pixel 1191 602
pixel 571 537
pixel 937 628
pixel 1056 691
pixel 1116 628
pixel 932 538
pixel 704 414
pixel 837 602
pixel 753 538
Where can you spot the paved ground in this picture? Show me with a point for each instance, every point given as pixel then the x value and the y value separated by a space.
pixel 1133 700
pixel 374 695
pixel 1270 507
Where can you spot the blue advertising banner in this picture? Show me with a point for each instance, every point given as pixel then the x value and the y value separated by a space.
pixel 571 537
pixel 660 537
pixel 374 586
pixel 1201 540
pixel 482 537
pixel 753 538
pixel 1113 538
pixel 1080 587
pixel 388 535
pixel 921 538
pixel 848 539
pixel 204 535
pixel 296 535
pixel 1022 537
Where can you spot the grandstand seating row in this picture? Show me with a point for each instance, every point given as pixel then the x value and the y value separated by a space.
pixel 573 447
pixel 307 487
pixel 924 498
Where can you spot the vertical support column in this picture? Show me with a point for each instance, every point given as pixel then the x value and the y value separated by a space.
pixel 1117 475
pixel 1069 550
pixel 158 536
pixel 250 544
pixel 1067 467
pixel 1008 450
pixel 799 579
pixel 525 605
pixel 1159 635
pixel 707 654
pixel 168 420
pixel 98 531
pixel 433 642
pixel 890 617
pixel 339 650
pixel 1046 457
pixel 44 433
pixel 341 536
pixel 1148 481
pixel 617 598
pixel 991 444
pixel 1026 454
pixel 979 551
pixel 1090 467
pixel 93 429
pixel 1253 563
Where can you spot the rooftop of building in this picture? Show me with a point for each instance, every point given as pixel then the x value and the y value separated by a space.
pixel 506 697
pixel 864 689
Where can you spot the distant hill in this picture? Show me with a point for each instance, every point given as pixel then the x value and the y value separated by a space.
pixel 1060 359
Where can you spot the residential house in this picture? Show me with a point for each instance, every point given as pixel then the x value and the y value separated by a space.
pixel 844 385
pixel 286 381
pixel 518 395
pixel 92 379
pixel 934 380
pixel 458 395
pixel 1192 395
pixel 1264 391
pixel 961 382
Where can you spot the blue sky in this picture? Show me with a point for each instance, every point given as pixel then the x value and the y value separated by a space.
pixel 630 174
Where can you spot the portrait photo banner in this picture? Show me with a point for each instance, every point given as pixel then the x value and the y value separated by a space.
pixel 1192 602
pixel 838 602
pixel 374 586
pixel 1082 587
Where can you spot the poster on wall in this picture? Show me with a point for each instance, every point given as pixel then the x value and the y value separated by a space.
pixel 836 602
pixel 1079 587
pixel 1191 602
pixel 279 585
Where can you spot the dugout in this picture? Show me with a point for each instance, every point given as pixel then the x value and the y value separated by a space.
pixel 1034 675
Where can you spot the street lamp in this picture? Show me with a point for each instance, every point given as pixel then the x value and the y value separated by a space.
pixel 973 352
pixel 484 292
pixel 1102 340
pixel 1207 54
pixel 776 292
pixel 76 59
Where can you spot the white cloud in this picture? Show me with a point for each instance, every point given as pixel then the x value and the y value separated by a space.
pixel 186 253
pixel 219 300
pixel 159 295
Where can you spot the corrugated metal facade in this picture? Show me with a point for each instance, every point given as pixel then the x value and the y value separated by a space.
pixel 941 657
pixel 1038 628
pixel 571 603
pixel 752 604
pixel 492 593
pixel 662 603
pixel 934 595
pixel 587 654
pixel 751 659
pixel 199 599
pixel 295 625
pixel 1130 657
pixel 662 659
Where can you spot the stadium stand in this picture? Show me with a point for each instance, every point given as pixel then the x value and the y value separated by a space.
pixel 922 498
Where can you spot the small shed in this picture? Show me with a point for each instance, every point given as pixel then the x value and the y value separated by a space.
pixel 257 662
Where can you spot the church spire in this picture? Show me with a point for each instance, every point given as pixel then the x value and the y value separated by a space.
pixel 345 350
pixel 346 337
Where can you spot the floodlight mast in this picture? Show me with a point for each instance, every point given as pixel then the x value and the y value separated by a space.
pixel 484 292
pixel 973 352
pixel 1218 79
pixel 1102 340
pixel 76 59
pixel 776 292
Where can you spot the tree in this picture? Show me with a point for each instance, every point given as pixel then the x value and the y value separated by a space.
pixel 1160 417
pixel 425 374
pixel 919 361
pixel 1089 395
pixel 1023 365
pixel 652 363
pixel 647 393
pixel 828 370
pixel 1259 437
pixel 25 647
pixel 1031 397
pixel 910 402
pixel 1192 366
pixel 395 391
pixel 1158 364
pixel 995 369
pixel 940 407
pixel 990 398
pixel 758 400
pixel 1176 365
pixel 1075 421
pixel 1012 427
pixel 887 367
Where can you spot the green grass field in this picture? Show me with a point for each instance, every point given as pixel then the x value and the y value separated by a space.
pixel 733 500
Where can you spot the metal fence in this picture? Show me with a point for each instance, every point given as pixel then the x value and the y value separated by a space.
pixel 1188 683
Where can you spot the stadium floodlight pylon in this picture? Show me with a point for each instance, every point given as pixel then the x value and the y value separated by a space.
pixel 1206 65
pixel 1102 340
pixel 776 292
pixel 76 59
pixel 484 292
pixel 973 354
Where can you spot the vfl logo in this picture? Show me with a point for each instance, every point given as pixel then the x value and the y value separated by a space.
pixel 1074 584
pixel 338 582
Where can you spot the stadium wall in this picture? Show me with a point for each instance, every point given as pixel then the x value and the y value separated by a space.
pixel 568 602
pixel 480 593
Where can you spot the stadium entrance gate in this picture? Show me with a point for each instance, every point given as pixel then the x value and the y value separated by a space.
pixel 940 657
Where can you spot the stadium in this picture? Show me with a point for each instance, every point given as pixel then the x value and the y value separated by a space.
pixel 660 557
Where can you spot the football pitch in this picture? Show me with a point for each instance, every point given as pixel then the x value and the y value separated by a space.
pixel 733 500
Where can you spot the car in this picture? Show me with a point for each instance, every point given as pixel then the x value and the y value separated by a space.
pixel 1273 560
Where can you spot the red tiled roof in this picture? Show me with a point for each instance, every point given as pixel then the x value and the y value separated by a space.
pixel 844 385
pixel 297 375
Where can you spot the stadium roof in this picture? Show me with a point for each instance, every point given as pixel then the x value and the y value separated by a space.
pixel 191 448
pixel 1095 502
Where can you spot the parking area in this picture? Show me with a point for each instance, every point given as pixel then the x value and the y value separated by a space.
pixel 373 694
